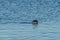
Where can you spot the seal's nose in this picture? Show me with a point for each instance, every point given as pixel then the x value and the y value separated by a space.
pixel 35 22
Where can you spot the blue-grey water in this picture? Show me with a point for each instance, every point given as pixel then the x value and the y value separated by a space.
pixel 16 17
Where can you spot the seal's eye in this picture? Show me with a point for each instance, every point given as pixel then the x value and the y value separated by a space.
pixel 34 22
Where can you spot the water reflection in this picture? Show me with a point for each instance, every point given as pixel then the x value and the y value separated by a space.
pixel 35 26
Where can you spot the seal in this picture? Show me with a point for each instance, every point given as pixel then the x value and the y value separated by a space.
pixel 35 22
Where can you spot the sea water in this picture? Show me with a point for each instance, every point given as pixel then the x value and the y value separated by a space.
pixel 29 32
pixel 13 12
